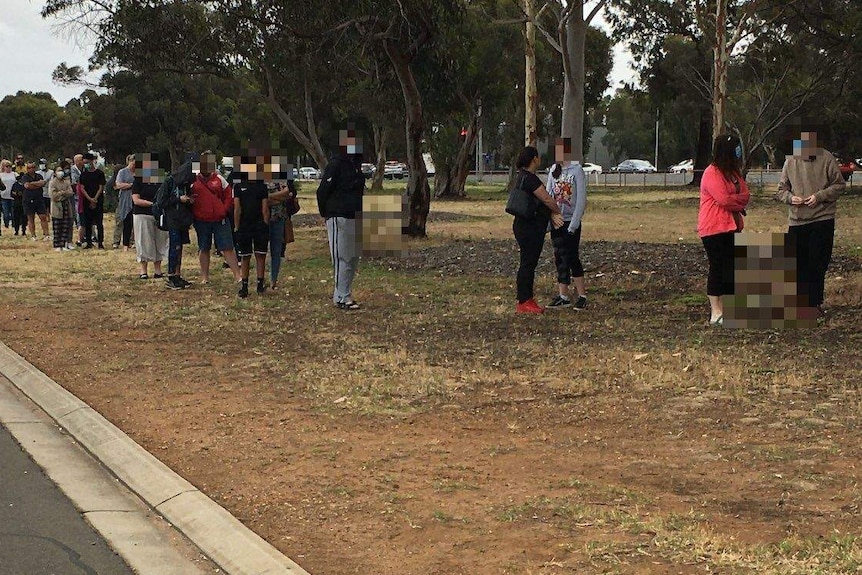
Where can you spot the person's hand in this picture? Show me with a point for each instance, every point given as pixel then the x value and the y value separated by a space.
pixel 796 201
pixel 557 220
pixel 811 201
pixel 93 204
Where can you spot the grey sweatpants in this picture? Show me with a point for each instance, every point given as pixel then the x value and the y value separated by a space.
pixel 344 251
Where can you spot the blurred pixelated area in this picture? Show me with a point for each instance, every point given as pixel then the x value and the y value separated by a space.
pixel 765 285
pixel 383 221
pixel 150 168
pixel 261 163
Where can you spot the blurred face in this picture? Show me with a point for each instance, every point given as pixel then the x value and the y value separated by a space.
pixel 149 169
pixel 262 164
pixel 31 169
pixel 79 161
pixel 19 160
pixel 806 145
pixel 208 164
pixel 350 141
pixel 563 150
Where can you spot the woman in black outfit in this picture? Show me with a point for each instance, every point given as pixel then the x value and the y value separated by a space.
pixel 530 233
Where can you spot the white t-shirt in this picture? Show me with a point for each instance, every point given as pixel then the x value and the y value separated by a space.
pixel 46 175
pixel 8 180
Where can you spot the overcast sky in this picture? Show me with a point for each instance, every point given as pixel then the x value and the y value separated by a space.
pixel 36 49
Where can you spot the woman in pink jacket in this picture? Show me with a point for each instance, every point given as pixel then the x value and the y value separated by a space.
pixel 723 197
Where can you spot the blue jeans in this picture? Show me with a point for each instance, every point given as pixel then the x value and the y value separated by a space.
pixel 221 231
pixel 7 211
pixel 276 243
pixel 176 239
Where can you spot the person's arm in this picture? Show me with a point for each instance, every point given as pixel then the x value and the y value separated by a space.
pixel 139 201
pixel 237 215
pixel 785 188
pixel 836 183
pixel 580 200
pixel 282 194
pixel 229 204
pixel 716 187
pixel 264 210
pixel 543 196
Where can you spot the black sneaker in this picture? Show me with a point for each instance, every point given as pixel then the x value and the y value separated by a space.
pixel 261 287
pixel 560 301
pixel 243 291
pixel 581 304
pixel 174 282
pixel 184 282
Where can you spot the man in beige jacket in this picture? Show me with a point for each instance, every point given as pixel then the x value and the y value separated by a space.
pixel 811 184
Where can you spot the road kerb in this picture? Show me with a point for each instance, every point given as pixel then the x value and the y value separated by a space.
pixel 219 535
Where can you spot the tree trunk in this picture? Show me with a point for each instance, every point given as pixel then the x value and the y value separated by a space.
pixel 531 96
pixel 449 181
pixel 418 190
pixel 573 92
pixel 380 141
pixel 309 141
pixel 721 59
pixel 704 145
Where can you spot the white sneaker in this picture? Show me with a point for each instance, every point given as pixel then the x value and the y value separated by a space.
pixel 70 247
pixel 34 239
pixel 58 249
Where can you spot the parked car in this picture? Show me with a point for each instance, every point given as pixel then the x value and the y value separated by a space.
pixel 308 173
pixel 394 170
pixel 683 167
pixel 847 167
pixel 592 168
pixel 634 167
pixel 368 170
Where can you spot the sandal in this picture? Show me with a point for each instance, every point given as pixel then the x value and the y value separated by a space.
pixel 349 305
pixel 143 277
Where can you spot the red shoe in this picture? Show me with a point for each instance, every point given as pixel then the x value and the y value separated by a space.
pixel 529 306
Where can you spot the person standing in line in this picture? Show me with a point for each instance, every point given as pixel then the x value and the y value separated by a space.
pixel 567 185
pixel 7 178
pixel 212 201
pixel 530 233
pixel 175 200
pixel 339 201
pixel 75 174
pixel 123 181
pixel 91 201
pixel 46 174
pixel 251 214
pixel 282 203
pixel 60 188
pixel 810 184
pixel 33 201
pixel 20 165
pixel 152 242
pixel 723 197
pixel 19 217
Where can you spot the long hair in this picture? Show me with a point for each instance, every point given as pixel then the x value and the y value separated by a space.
pixel 525 158
pixel 724 156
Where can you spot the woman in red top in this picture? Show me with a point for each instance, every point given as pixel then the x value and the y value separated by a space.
pixel 723 197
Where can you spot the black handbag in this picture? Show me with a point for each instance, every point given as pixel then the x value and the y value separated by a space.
pixel 521 204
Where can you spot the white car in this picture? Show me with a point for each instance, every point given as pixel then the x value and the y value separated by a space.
pixel 308 173
pixel 393 170
pixel 592 168
pixel 682 167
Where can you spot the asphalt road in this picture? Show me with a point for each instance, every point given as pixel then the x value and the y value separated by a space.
pixel 41 532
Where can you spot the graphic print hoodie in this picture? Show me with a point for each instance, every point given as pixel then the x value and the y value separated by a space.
pixel 570 192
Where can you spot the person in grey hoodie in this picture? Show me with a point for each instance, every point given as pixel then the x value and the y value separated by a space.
pixel 810 185
pixel 567 186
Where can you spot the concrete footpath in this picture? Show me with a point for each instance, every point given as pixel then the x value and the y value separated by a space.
pixel 156 521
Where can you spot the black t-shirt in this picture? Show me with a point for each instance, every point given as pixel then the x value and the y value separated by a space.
pixel 31 196
pixel 91 180
pixel 530 182
pixel 146 192
pixel 250 196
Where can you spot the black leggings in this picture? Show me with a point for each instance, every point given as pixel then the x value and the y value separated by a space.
pixel 567 256
pixel 89 218
pixel 530 235
pixel 719 252
pixel 813 243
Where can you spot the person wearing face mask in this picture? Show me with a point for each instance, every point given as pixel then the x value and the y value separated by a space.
pixel 810 185
pixel 46 174
pixel 60 189
pixel 723 197
pixel 34 203
pixel 91 201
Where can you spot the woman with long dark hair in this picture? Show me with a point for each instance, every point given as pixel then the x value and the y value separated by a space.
pixel 723 197
pixel 530 232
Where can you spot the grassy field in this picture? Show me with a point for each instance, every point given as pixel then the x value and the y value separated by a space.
pixel 435 432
